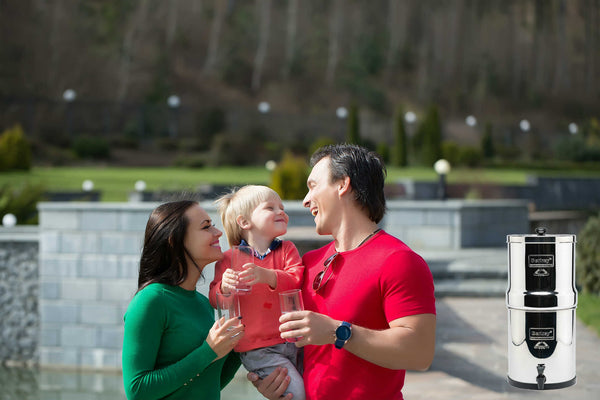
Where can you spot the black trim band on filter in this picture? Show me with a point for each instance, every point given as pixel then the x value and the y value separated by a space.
pixel 548 386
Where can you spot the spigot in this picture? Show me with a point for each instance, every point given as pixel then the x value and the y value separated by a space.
pixel 541 378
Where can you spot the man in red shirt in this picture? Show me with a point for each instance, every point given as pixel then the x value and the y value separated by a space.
pixel 369 298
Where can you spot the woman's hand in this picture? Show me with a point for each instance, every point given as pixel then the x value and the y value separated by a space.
pixel 224 335
pixel 274 385
pixel 229 281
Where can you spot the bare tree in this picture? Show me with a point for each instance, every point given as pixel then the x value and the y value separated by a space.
pixel 591 20
pixel 58 15
pixel 218 18
pixel 561 67
pixel 264 10
pixel 335 28
pixel 396 26
pixel 290 43
pixel 134 25
pixel 171 27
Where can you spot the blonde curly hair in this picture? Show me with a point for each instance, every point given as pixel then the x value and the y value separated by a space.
pixel 241 202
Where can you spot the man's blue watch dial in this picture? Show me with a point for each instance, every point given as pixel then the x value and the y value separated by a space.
pixel 342 334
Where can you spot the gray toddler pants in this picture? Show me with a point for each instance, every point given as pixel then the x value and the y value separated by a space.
pixel 264 360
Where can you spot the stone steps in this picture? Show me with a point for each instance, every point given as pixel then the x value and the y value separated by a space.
pixel 469 272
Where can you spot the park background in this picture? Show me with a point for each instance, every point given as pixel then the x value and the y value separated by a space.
pixel 183 94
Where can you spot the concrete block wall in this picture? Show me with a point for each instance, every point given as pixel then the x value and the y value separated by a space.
pixel 88 266
pixel 455 224
pixel 89 255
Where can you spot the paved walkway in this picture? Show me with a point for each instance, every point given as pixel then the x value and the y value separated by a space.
pixel 471 359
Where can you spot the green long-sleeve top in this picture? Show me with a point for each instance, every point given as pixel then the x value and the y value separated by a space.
pixel 165 354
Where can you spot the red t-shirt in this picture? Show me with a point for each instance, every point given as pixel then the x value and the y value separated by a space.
pixel 372 285
pixel 260 309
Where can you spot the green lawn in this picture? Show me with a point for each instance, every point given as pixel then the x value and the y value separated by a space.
pixel 115 183
pixel 588 311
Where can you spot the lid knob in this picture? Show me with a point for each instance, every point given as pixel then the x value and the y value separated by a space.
pixel 540 230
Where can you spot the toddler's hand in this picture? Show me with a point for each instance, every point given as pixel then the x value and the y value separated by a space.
pixel 229 281
pixel 253 274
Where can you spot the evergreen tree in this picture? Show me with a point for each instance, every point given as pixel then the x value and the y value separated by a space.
pixel 487 142
pixel 428 137
pixel 353 135
pixel 400 152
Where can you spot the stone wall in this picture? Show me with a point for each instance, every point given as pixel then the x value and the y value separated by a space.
pixel 19 321
pixel 544 193
pixel 89 255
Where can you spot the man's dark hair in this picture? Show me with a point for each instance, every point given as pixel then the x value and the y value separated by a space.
pixel 366 171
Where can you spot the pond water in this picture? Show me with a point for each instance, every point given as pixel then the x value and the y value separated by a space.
pixel 44 384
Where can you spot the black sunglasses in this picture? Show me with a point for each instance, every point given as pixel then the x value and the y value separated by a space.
pixel 318 281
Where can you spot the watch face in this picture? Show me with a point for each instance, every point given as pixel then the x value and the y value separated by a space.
pixel 343 332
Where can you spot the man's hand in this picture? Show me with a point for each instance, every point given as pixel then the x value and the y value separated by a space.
pixel 310 327
pixel 274 385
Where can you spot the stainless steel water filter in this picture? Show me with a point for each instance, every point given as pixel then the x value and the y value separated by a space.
pixel 541 299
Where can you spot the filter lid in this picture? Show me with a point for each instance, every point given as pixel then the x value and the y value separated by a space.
pixel 541 237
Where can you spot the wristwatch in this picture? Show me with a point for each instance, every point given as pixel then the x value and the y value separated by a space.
pixel 342 334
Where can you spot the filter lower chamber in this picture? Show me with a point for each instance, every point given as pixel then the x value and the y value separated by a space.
pixel 541 348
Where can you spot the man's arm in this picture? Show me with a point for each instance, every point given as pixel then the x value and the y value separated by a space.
pixel 409 343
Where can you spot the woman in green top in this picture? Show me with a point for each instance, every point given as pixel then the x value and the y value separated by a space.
pixel 172 347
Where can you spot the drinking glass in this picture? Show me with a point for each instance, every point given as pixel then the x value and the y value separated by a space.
pixel 228 306
pixel 291 300
pixel 240 257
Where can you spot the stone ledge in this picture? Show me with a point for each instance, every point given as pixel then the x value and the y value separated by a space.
pixel 20 233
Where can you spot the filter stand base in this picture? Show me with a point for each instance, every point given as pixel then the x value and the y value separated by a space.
pixel 549 386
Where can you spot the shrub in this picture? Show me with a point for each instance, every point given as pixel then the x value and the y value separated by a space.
pixel 21 202
pixel 91 147
pixel 576 149
pixel 15 150
pixel 469 156
pixel 588 256
pixel 317 144
pixel 451 151
pixel 289 177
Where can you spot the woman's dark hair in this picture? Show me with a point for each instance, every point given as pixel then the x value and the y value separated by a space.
pixel 366 171
pixel 163 256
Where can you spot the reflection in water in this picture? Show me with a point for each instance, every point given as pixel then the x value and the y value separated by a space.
pixel 50 384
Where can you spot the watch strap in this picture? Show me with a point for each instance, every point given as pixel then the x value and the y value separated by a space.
pixel 340 342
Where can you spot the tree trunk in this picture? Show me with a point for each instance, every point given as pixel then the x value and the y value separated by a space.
pixel 264 8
